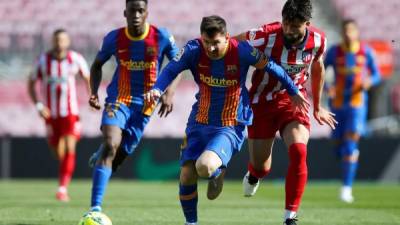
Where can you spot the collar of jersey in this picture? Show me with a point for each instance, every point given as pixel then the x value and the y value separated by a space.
pixel 224 53
pixel 354 47
pixel 141 37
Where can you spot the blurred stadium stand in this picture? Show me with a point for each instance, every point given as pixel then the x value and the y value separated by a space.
pixel 26 28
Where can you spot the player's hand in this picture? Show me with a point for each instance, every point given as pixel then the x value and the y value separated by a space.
pixel 367 83
pixel 166 104
pixel 300 103
pixel 324 116
pixel 94 101
pixel 152 96
pixel 44 113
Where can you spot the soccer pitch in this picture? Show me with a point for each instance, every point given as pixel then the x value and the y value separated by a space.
pixel 32 202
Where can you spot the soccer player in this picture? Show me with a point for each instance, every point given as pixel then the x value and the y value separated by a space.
pixel 139 50
pixel 216 126
pixel 298 48
pixel 57 69
pixel 355 71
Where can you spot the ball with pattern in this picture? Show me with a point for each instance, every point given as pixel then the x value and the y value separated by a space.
pixel 95 218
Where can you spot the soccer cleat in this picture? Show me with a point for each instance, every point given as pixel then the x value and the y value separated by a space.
pixel 62 196
pixel 291 221
pixel 346 195
pixel 190 223
pixel 249 189
pixel 215 186
pixel 95 156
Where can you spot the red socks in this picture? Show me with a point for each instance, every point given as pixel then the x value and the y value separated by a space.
pixel 296 177
pixel 67 167
pixel 257 173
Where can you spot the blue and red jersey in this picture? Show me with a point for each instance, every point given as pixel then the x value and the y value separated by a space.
pixel 351 66
pixel 222 99
pixel 139 60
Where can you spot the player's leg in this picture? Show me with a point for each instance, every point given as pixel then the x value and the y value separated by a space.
pixel 112 136
pixel 62 192
pixel 260 159
pixel 350 152
pixel 295 136
pixel 188 192
pixel 208 166
pixel 261 139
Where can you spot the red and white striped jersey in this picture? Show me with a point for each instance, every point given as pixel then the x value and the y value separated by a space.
pixel 295 60
pixel 58 82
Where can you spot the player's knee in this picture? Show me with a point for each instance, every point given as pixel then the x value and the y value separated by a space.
pixel 204 169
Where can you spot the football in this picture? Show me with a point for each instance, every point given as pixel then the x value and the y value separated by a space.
pixel 95 218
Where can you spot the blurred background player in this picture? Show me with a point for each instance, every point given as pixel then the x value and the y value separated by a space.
pixel 356 71
pixel 216 126
pixel 56 69
pixel 297 47
pixel 139 50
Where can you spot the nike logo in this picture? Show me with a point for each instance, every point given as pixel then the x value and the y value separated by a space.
pixel 122 50
pixel 202 66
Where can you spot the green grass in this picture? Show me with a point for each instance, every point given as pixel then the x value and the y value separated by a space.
pixel 32 202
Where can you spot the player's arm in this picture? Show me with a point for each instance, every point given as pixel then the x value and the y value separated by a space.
pixel 43 111
pixel 84 72
pixel 96 72
pixel 166 99
pixel 169 74
pixel 374 76
pixel 322 115
pixel 241 37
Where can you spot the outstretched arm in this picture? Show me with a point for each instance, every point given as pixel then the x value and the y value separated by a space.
pixel 322 115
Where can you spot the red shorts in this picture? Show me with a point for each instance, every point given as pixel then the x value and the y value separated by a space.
pixel 273 116
pixel 59 127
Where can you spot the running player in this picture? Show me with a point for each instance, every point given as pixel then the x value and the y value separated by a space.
pixel 298 48
pixel 57 69
pixel 216 126
pixel 139 50
pixel 356 72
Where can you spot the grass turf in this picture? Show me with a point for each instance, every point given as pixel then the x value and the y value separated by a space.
pixel 32 202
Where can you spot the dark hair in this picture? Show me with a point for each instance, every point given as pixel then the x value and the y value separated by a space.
pixel 348 21
pixel 145 1
pixel 212 25
pixel 59 31
pixel 297 10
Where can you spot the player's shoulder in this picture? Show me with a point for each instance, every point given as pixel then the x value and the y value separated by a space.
pixel 113 33
pixel 162 31
pixel 193 45
pixel 315 31
pixel 273 27
pixel 75 56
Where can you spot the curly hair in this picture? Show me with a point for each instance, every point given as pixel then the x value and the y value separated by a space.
pixel 297 10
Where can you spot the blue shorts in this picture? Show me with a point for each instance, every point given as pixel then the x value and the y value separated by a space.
pixel 224 141
pixel 349 120
pixel 131 121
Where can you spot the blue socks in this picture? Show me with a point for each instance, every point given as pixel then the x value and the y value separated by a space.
pixel 216 173
pixel 349 168
pixel 188 198
pixel 101 176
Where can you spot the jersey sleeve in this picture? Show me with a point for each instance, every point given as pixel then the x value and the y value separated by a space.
pixel 171 50
pixel 250 55
pixel 321 50
pixel 179 63
pixel 107 48
pixel 83 66
pixel 257 36
pixel 372 66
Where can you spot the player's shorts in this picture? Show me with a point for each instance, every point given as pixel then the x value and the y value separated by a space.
pixel 224 141
pixel 131 120
pixel 272 116
pixel 350 120
pixel 62 126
